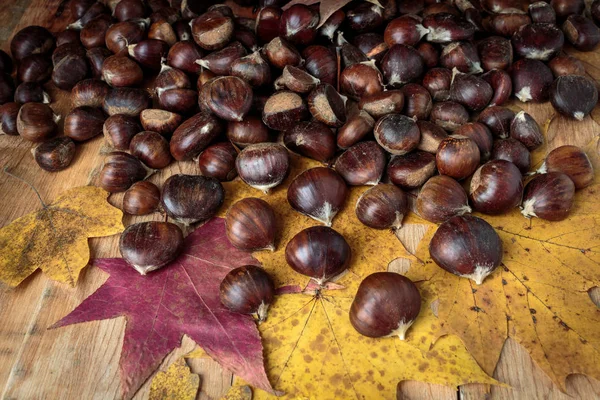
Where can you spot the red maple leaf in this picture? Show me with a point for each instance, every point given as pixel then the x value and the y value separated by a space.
pixel 180 298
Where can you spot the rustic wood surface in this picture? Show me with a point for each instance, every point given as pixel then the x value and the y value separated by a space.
pixel 81 361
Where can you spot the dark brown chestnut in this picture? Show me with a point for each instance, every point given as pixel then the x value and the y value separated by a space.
pixel 31 40
pixel 457 157
pixel 382 207
pixel 501 84
pixel 298 24
pixel 411 170
pixel 461 55
pixel 542 12
pixel 192 198
pixel 526 130
pixel 406 29
pixel 128 101
pixel 180 101
pixel 170 78
pixel 161 121
pixel 362 164
pixel 431 136
pixel 447 28
pixel 372 45
pixel 54 154
pixel 471 91
pixel 250 130
pixel 437 81
pixel 480 134
pixel 89 92
pixel 574 96
pixel 564 8
pixel 93 33
pixel 263 166
pixel 218 161
pixel 267 23
pixel 141 198
pixel 496 187
pixel 449 115
pixel 66 36
pixel 296 79
pixel 28 92
pixel 282 53
pixel 119 129
pixel 402 64
pixel 321 62
pixel 228 97
pixel 151 148
pixel 362 79
pixel 312 139
pixel 247 290
pixel 318 193
pixel 121 170
pixel 364 17
pixel 514 151
pixel 355 129
pixel 327 105
pixel 384 103
pixel 332 24
pixel 163 31
pixel 572 161
pixel 150 53
pixel 417 101
pixel 253 69
pixel 429 53
pixel 495 52
pixel 123 34
pixel 83 123
pixel 194 135
pixel 96 57
pixel 498 120
pixel 35 68
pixel 36 122
pixel 283 110
pixel 70 66
pixel 397 134
pixel 119 71
pixel 386 304
pixel 531 80
pixel 548 196
pixel 442 198
pixel 251 225
pixel 212 30
pixel 538 41
pixel 565 64
pixel 147 246
pixel 318 252
pixel 8 118
pixel 466 246
pixel 507 24
pixel 349 54
pixel 183 55
pixel 129 9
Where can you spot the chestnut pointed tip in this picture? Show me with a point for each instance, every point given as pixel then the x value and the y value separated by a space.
pixel 46 98
pixel 528 208
pixel 579 116
pixel 261 313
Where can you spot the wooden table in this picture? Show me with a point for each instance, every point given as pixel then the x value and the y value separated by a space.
pixel 81 361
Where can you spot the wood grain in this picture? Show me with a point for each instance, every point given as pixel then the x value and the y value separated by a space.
pixel 81 361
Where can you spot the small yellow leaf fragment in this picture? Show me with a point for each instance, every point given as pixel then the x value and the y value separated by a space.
pixel 242 392
pixel 198 352
pixel 176 383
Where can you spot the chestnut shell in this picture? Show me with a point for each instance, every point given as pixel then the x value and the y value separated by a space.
pixel 250 225
pixel 247 290
pixel 192 198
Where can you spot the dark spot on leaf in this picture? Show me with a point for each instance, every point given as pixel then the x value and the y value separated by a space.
pixel 504 281
pixel 453 348
pixel 565 326
pixel 525 278
pixel 474 290
pixel 423 366
pixel 307 358
pixel 335 379
pixel 583 340
pixel 526 249
pixel 380 387
pixel 532 310
pixel 295 322
pixel 476 309
pixel 373 354
pixel 534 319
pixel 334 350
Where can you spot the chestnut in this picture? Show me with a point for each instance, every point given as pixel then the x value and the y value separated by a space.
pixel 83 123
pixel 246 36
pixel 8 118
pixel 141 198
pixel 564 8
pixel 526 130
pixel 542 12
pixel 498 120
pixel 386 304
pixel 298 24
pixel 36 122
pixel 318 193
pixel 501 84
pixel 384 103
pixel 437 81
pixel 147 246
pixel 119 71
pixel 327 105
pixel 170 78
pixel 253 69
pixel 228 97
pixel 121 170
pixel 96 57
pixel 161 121
pixel 267 23
pixel 212 30
pixel 163 31
pixel 429 53
pixel 28 92
pixel 466 246
pixel 382 207
pixel 449 115
pixel 70 65
pixel 321 62
pixel 283 110
pixel 123 34
pixel 220 61
pixel 36 68
pixel 150 52
pixel 128 101
pixel 54 154
pixel 361 79
pixel 397 134
pixel 471 91
pixel 496 187
pixel 402 64
pixel 263 166
pixel 446 28
pixel 247 290
pixel 362 164
pixel 250 130
pixel 151 148
pixel 93 33
pixel 574 96
pixel 431 136
pixel 364 17
pixel 417 101
pixel 349 54
pixel 514 151
pixel 66 36
pixel 406 29
pixel 573 162
pixel 192 198
pixel 251 225
pixel 507 24
pixel 319 252
pixel 129 9
pixel 538 41
pixel 372 45
pixel 480 134
pixel 356 128
pixel 296 79
pixel 218 161
pixel 495 52
pixel 457 157
pixel 194 135
pixel 119 129
pixel 282 53
pixel 565 64
pixel 89 92
pixel 312 139
pixel 332 24
pixel 183 55
pixel 548 196
pixel 531 80
pixel 180 101
pixel 411 170
pixel 442 198
pixel 462 56
pixel 31 40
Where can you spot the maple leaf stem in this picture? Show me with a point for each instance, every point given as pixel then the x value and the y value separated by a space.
pixel 6 171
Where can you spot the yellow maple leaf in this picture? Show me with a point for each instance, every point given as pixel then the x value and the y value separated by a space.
pixel 55 238
pixel 176 383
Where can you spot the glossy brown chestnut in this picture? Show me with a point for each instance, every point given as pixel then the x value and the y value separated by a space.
pixel 247 290
pixel 480 134
pixel 228 97
pixel 362 79
pixel 250 130
pixel 31 40
pixel 431 136
pixel 147 246
pixel 318 252
pixel 252 69
pixel 121 170
pixel 212 30
pixel 321 62
pixel 411 170
pixel 548 196
pixel 96 57
pixel 129 9
pixel 565 64
pixel 457 157
pixel 386 304
pixel 192 198
pixel 442 198
pixel 263 166
pixel 498 120
pixel 150 52
pixel 355 129
pixel 382 207
pixel 163 31
pixel 283 110
pixel 141 198
pixel 402 64
pixel 298 24
pixel 429 53
pixel 446 28
pixel 220 61
pixel 318 193
pixel 194 135
pixel 151 148
pixel 362 164
pixel 495 53
pixel 397 134
pixel 8 118
pixel 574 96
pixel 218 161
pixel 161 121
pixel 183 55
pixel 417 101
pixel 364 17
pixel 564 8
pixel 93 34
pixel 180 101
pixel 332 24
pixel 507 24
pixel 327 105
pixel 66 36
pixel 267 23
pixel 89 92
pixel 123 34
pixel 542 12
pixel 119 129
pixel 538 41
pixel 372 45
pixel 312 139
pixel 282 53
pixel 28 92
pixel 466 246
pixel 406 29
pixel 501 84
pixel 35 68
pixel 83 123
pixel 349 54
pixel 54 154
pixel 514 151
pixel 251 225
pixel 572 161
pixel 36 122
pixel 128 101
pixel 70 66
pixel 384 103
pixel 531 80
pixel 437 81
pixel 496 187
pixel 526 130
pixel 120 71
pixel 471 91
pixel 170 78
pixel 462 56
pixel 296 79
pixel 450 115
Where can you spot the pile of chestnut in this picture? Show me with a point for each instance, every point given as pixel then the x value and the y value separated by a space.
pixel 411 94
